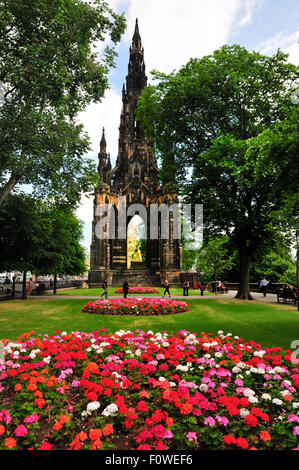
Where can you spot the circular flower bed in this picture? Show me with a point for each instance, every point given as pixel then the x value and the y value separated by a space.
pixel 136 306
pixel 139 290
pixel 146 391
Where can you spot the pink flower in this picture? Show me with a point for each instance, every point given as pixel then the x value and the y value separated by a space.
pixel 192 436
pixel 296 431
pixel 209 421
pixel 21 431
pixel 31 419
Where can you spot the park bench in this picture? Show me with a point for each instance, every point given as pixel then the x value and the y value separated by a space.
pixel 287 295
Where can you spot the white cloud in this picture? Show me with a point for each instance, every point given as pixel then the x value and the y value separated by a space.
pixel 105 114
pixel 286 42
pixel 172 31
pixel 249 8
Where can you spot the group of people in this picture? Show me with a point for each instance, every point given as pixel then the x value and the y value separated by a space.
pixel 125 288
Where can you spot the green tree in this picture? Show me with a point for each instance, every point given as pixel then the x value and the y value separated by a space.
pixel 214 258
pixel 39 237
pixel 49 72
pixel 228 119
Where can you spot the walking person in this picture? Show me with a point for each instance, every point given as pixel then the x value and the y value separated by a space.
pixel 166 285
pixel 30 286
pixel 105 287
pixel 263 285
pixel 125 289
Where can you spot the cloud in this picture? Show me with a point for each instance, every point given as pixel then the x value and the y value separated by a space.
pixel 248 9
pixel 105 114
pixel 286 42
pixel 172 31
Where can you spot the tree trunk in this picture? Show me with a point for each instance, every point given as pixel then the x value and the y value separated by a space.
pixel 55 284
pixel 244 291
pixel 24 290
pixel 7 188
pixel 215 279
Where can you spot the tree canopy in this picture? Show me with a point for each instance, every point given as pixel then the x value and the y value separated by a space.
pixel 40 237
pixel 226 131
pixel 49 72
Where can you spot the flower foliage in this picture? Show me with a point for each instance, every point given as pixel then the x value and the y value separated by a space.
pixel 136 306
pixel 139 290
pixel 140 390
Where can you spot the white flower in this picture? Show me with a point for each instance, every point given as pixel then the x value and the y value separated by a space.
pixel 182 368
pixel 172 384
pixel 138 352
pixel 218 354
pixel 266 396
pixel 92 406
pixel 203 388
pixel 165 344
pixel 248 392
pixel 162 379
pixel 285 392
pixel 259 353
pixel 252 399
pixel 236 370
pixel 241 365
pixel 277 401
pixel 244 412
pixel 296 405
pixel 220 332
pixel 110 410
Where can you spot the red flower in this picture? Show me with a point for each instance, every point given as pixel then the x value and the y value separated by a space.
pixel 241 442
pixel 229 439
pixel 250 421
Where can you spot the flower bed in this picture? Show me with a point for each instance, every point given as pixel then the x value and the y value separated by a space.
pixel 136 306
pixel 139 290
pixel 146 391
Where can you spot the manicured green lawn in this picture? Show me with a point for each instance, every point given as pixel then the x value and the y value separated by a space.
pixel 111 292
pixel 267 324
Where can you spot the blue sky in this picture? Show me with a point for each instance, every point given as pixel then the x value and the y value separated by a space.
pixel 172 31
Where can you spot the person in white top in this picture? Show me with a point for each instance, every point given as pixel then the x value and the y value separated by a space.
pixel 263 286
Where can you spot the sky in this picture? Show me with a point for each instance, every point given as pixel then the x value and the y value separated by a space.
pixel 172 32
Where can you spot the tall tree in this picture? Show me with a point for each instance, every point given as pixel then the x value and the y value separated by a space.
pixel 39 237
pixel 49 72
pixel 228 118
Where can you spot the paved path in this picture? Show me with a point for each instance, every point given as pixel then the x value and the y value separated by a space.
pixel 231 294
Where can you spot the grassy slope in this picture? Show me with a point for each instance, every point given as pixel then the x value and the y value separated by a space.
pixel 267 324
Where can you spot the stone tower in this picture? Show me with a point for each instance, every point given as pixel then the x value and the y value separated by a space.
pixel 134 182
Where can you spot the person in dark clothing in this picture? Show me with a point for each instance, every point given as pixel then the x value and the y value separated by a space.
pixel 166 285
pixel 105 287
pixel 186 288
pixel 125 289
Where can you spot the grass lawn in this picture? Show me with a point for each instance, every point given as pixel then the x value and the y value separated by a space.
pixel 267 324
pixel 111 292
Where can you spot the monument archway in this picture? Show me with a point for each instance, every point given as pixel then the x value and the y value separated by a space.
pixel 135 183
